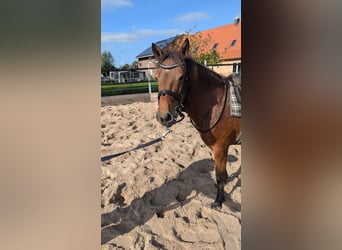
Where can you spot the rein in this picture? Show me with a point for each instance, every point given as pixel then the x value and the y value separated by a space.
pixel 220 116
pixel 181 97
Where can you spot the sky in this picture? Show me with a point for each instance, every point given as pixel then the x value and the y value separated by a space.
pixel 128 27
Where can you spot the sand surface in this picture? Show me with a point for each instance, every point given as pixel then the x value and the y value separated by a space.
pixel 159 197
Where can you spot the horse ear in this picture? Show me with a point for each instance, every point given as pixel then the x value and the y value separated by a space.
pixel 156 51
pixel 184 49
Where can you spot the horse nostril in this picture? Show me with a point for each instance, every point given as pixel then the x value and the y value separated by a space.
pixel 165 118
pixel 168 117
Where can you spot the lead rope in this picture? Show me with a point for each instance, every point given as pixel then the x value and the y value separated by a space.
pixel 143 145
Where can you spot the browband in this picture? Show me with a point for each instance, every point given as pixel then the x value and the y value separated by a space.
pixel 172 66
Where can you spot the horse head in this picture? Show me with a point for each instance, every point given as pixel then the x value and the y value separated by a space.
pixel 171 76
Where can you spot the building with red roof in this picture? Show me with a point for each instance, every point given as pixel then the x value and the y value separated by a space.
pixel 226 40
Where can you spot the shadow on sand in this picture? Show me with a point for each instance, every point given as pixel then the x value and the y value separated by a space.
pixel 172 194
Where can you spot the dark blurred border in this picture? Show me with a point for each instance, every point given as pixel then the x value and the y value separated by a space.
pixel 50 116
pixel 291 125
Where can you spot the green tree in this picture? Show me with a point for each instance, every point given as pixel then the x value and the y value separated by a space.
pixel 107 63
pixel 199 48
pixel 210 57
pixel 125 67
pixel 135 65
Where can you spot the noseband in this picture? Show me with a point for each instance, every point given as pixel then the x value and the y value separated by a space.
pixel 180 97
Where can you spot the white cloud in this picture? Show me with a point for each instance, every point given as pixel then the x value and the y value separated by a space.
pixel 117 37
pixel 192 16
pixel 149 33
pixel 137 35
pixel 114 4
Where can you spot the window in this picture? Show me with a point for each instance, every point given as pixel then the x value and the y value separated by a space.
pixel 237 68
pixel 215 46
pixel 233 43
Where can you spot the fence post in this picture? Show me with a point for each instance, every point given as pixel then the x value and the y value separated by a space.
pixel 149 76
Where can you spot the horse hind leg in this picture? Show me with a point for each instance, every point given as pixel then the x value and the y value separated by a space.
pixel 220 159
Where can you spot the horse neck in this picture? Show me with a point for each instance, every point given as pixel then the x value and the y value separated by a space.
pixel 204 92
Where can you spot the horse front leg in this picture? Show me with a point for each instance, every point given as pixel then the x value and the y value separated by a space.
pixel 220 159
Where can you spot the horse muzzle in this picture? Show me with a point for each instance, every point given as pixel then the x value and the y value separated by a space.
pixel 166 119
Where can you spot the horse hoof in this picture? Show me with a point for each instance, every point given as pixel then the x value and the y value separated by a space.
pixel 216 204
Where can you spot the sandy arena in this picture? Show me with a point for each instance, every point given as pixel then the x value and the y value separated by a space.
pixel 159 197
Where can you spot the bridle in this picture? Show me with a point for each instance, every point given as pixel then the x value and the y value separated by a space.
pixel 180 97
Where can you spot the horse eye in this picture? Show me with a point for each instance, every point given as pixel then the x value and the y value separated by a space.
pixel 181 77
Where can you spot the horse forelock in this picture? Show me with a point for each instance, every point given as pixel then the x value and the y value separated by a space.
pixel 172 55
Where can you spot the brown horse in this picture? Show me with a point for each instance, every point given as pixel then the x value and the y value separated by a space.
pixel 185 85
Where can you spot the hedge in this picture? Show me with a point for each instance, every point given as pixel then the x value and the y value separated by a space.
pixel 127 89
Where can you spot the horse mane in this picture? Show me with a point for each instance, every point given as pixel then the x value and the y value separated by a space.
pixel 196 66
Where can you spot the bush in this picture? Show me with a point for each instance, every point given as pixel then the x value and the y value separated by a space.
pixel 124 89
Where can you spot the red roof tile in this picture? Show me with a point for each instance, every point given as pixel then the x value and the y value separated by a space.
pixel 224 36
